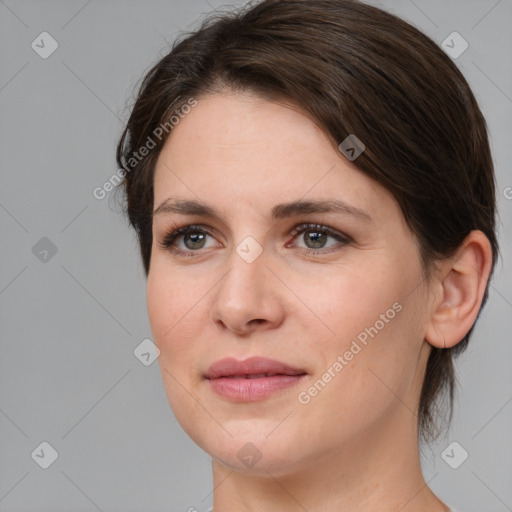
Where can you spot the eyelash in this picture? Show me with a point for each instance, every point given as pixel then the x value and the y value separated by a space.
pixel 168 242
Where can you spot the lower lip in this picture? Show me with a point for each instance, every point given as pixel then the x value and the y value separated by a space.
pixel 251 390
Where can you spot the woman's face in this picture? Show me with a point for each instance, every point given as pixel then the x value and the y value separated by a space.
pixel 339 309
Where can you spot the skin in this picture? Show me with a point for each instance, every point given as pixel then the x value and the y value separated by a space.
pixel 353 446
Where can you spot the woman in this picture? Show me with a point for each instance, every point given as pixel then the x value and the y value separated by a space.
pixel 313 193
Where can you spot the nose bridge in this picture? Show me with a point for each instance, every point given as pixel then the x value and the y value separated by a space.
pixel 246 292
pixel 248 271
pixel 249 257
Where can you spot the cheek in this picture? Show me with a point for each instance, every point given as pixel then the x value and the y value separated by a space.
pixel 174 308
pixel 360 385
pixel 375 324
pixel 349 302
pixel 163 307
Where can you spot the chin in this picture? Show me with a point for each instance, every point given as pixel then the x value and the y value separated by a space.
pixel 250 448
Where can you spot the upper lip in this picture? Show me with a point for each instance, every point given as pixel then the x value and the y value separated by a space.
pixel 231 367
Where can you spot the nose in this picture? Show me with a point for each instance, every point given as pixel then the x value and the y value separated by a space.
pixel 248 297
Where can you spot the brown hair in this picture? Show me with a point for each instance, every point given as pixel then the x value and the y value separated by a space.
pixel 355 69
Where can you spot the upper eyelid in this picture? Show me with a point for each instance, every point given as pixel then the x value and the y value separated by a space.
pixel 297 228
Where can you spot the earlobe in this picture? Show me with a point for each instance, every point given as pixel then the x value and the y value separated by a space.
pixel 461 284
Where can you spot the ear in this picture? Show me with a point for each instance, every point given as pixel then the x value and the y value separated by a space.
pixel 459 287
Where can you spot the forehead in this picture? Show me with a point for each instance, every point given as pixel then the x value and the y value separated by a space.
pixel 239 149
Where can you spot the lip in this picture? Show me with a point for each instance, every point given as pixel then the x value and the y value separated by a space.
pixel 252 379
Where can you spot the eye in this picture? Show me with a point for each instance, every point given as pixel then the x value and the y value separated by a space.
pixel 316 236
pixel 192 238
pixel 189 240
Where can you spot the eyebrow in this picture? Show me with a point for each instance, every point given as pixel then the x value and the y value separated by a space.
pixel 280 211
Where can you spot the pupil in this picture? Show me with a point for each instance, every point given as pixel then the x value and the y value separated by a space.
pixel 196 238
pixel 318 239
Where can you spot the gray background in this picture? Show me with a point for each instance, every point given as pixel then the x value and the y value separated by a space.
pixel 69 325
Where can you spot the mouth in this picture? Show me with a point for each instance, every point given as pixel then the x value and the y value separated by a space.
pixel 252 379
